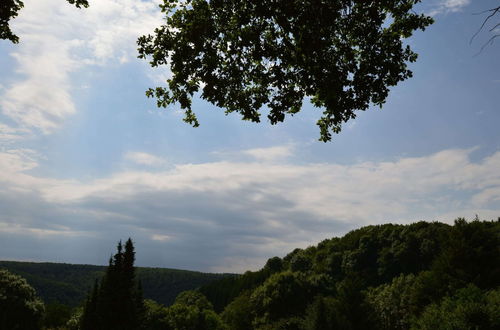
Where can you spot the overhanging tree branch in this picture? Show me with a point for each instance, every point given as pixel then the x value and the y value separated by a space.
pixel 246 56
pixel 492 12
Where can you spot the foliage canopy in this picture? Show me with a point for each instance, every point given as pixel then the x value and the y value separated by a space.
pixel 20 308
pixel 246 55
pixel 398 277
pixel 68 284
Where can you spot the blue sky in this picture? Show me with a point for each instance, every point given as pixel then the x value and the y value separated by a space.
pixel 86 159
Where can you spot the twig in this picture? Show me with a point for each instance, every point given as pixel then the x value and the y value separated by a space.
pixel 493 11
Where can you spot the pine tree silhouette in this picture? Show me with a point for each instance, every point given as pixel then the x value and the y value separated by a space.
pixel 117 303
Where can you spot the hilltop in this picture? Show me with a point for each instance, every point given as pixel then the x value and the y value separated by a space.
pixel 69 283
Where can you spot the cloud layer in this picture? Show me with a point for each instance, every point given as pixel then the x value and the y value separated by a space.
pixel 144 158
pixel 58 40
pixel 448 6
pixel 229 216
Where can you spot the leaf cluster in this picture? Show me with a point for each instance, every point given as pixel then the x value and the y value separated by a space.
pixel 191 311
pixel 245 55
pixel 20 307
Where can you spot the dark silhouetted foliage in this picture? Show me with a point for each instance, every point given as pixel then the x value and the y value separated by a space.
pixel 69 284
pixel 222 292
pixel 20 308
pixel 56 315
pixel 385 277
pixel 468 308
pixel 192 311
pixel 154 316
pixel 376 277
pixel 238 314
pixel 116 303
pixel 246 55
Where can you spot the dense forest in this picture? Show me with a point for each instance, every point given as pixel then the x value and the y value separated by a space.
pixel 418 276
pixel 69 284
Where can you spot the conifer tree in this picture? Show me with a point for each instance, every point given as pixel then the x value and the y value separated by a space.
pixel 90 317
pixel 117 303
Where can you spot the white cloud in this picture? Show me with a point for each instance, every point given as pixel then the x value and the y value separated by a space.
pixel 10 134
pixel 116 25
pixel 13 229
pixel 270 153
pixel 58 40
pixel 144 158
pixel 212 213
pixel 448 6
pixel 42 100
pixel 455 5
pixel 13 162
pixel 161 238
pixel 159 75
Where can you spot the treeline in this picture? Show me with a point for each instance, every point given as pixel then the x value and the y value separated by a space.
pixel 418 276
pixel 66 284
pixel 115 302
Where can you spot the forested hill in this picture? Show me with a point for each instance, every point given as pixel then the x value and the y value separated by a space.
pixel 385 277
pixel 376 277
pixel 69 284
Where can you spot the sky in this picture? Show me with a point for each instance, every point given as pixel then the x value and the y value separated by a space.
pixel 86 159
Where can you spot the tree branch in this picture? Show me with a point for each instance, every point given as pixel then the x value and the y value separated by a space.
pixel 492 12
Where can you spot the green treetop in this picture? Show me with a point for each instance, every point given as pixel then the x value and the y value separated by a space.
pixel 20 308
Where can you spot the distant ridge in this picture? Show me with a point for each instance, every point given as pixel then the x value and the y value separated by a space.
pixel 69 283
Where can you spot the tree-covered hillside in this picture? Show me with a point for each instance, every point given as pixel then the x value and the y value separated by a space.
pixel 385 277
pixel 69 284
pixel 420 276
